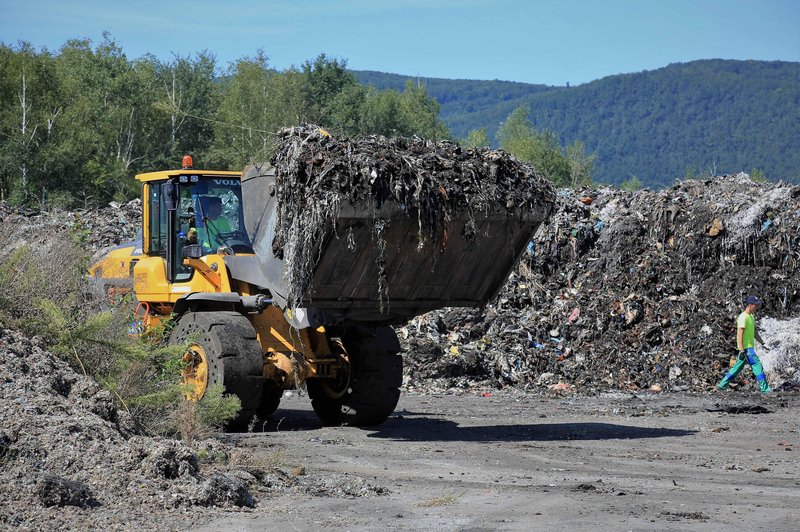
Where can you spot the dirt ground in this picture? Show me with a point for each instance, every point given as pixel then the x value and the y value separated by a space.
pixel 512 461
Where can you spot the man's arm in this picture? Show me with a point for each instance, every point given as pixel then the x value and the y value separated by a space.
pixel 759 339
pixel 739 336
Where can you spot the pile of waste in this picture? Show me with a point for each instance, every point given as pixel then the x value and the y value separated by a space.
pixel 65 447
pixel 630 291
pixel 98 229
pixel 430 182
pixel 70 459
pixel 112 225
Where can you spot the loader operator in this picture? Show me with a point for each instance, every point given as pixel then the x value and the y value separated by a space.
pixel 212 225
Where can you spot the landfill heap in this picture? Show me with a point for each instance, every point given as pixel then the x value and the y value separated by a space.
pixel 113 224
pixel 432 182
pixel 99 229
pixel 64 447
pixel 70 459
pixel 628 291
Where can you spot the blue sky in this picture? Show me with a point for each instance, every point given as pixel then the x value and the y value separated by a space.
pixel 534 41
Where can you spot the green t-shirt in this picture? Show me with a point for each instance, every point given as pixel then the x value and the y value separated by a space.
pixel 748 323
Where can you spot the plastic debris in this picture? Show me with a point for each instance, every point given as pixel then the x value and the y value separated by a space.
pixel 658 295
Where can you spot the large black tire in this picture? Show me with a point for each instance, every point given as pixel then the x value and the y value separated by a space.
pixel 234 356
pixel 376 373
pixel 270 400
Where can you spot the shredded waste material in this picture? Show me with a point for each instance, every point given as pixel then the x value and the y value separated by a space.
pixel 97 229
pixel 65 448
pixel 433 182
pixel 629 291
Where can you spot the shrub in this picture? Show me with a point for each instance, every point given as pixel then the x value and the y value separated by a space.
pixel 49 298
pixel 631 185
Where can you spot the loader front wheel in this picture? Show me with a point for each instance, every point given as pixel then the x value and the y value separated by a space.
pixel 222 349
pixel 371 389
pixel 270 400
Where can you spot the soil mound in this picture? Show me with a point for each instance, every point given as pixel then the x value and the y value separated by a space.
pixel 66 449
pixel 70 460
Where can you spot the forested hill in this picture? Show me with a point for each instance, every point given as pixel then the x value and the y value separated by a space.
pixel 721 116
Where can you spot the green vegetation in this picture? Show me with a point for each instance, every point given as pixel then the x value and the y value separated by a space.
pixel 570 168
pixel 757 175
pixel 76 125
pixel 199 419
pixel 713 115
pixel 632 184
pixel 477 138
pixel 50 299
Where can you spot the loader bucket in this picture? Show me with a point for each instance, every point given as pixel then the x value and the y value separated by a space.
pixel 351 267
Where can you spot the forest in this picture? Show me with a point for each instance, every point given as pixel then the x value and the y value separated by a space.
pixel 77 124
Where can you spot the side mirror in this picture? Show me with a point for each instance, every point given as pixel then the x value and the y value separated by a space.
pixel 170 192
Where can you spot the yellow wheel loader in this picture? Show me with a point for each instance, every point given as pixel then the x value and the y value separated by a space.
pixel 204 259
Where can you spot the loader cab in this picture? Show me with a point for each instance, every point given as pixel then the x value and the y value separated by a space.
pixel 192 214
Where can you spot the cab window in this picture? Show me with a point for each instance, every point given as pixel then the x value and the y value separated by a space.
pixel 157 221
pixel 157 245
pixel 216 206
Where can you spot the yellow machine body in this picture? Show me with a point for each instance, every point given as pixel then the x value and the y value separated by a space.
pixel 140 270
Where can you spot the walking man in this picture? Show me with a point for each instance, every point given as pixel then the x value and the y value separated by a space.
pixel 746 335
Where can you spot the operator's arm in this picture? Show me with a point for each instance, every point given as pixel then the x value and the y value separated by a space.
pixel 739 341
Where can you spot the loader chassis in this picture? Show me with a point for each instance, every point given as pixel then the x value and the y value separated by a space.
pixel 205 275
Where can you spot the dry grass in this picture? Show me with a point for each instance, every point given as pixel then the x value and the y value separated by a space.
pixel 446 500
pixel 263 460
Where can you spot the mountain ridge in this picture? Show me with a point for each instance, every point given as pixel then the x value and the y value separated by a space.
pixel 704 116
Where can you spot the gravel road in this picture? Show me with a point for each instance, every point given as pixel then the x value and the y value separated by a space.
pixel 511 461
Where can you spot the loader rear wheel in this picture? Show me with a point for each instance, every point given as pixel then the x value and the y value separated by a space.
pixel 222 350
pixel 371 389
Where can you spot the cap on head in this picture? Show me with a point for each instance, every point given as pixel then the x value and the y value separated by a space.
pixel 752 300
